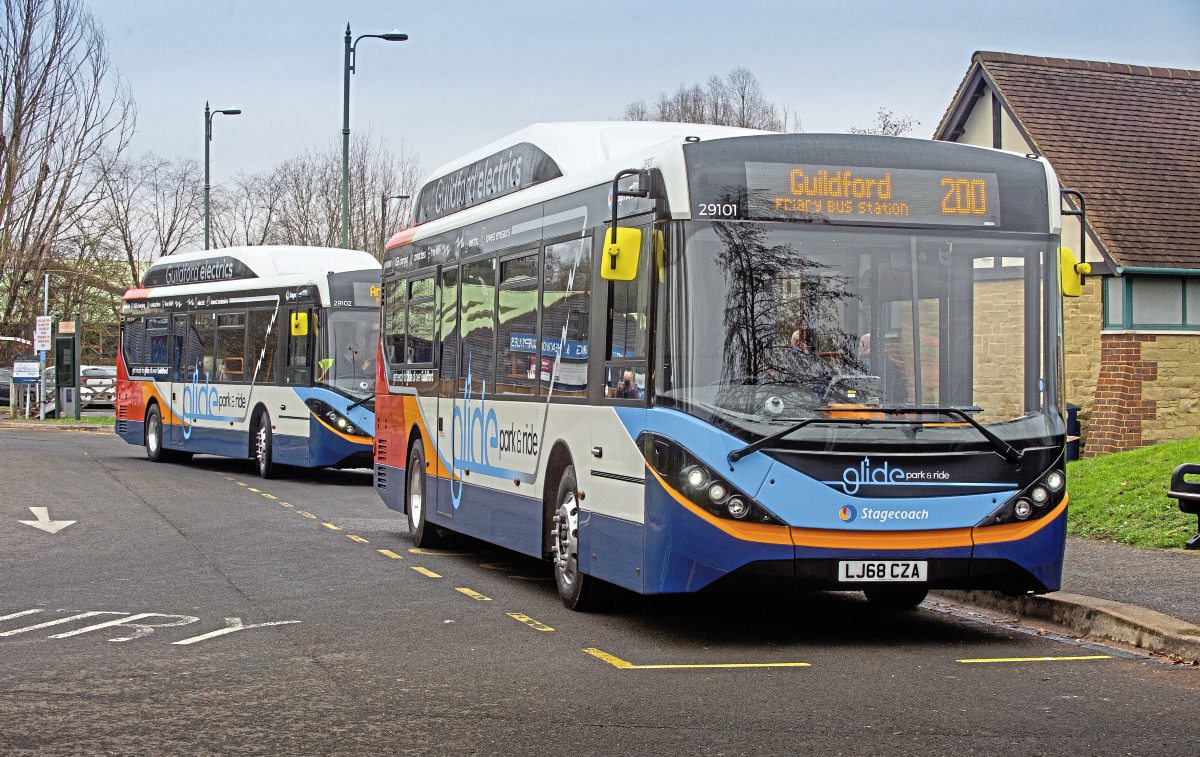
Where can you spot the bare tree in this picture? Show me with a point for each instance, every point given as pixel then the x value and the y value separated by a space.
pixel 887 124
pixel 302 195
pixel 60 120
pixel 735 100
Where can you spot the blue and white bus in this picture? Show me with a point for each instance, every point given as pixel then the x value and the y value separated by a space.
pixel 265 353
pixel 834 361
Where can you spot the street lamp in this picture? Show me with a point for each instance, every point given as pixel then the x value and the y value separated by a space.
pixel 392 36
pixel 208 116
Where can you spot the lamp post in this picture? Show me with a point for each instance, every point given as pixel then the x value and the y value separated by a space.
pixel 208 116
pixel 392 36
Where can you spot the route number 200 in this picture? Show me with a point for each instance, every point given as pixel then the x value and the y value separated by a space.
pixel 964 196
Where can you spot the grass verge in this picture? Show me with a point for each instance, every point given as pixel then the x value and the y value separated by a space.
pixel 91 420
pixel 1123 497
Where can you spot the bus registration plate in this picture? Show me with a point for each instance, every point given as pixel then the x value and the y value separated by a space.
pixel 883 570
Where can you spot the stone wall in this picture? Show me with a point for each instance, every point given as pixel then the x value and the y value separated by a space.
pixel 1176 391
pixel 1082 323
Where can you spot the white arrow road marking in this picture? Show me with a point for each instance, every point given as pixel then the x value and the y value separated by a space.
pixel 43 521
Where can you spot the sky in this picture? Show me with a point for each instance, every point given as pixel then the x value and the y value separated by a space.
pixel 472 72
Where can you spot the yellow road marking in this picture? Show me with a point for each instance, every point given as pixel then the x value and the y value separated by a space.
pixel 522 618
pixel 419 551
pixel 473 594
pixel 286 504
pixel 239 483
pixel 1039 659
pixel 251 488
pixel 306 514
pixel 268 496
pixel 358 539
pixel 426 572
pixel 617 662
pixel 332 527
pixel 390 553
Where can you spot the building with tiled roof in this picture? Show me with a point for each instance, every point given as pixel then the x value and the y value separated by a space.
pixel 1128 138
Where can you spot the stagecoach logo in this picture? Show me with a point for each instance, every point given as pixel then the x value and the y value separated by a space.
pixel 848 514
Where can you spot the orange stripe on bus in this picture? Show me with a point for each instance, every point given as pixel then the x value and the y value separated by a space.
pixel 1018 531
pixel 834 539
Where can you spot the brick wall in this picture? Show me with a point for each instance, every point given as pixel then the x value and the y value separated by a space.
pixel 1121 410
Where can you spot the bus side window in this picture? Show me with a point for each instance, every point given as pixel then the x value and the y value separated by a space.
pixel 299 355
pixel 447 299
pixel 566 312
pixel 264 340
pixel 629 315
pixel 393 322
pixel 477 325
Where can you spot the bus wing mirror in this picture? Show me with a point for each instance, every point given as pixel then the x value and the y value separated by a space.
pixel 299 324
pixel 1071 273
pixel 622 255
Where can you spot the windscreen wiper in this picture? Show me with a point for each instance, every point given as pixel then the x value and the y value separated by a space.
pixel 363 401
pixel 1003 448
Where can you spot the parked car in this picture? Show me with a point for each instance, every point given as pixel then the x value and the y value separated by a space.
pixel 98 386
pixel 5 379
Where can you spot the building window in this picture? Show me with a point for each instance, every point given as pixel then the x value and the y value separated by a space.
pixel 1152 302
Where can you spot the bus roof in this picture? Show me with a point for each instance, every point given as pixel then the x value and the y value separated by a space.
pixel 265 261
pixel 559 158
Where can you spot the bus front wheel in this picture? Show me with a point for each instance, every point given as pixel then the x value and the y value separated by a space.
pixel 263 447
pixel 577 591
pixel 423 533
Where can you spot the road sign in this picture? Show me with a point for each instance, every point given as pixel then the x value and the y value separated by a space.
pixel 26 372
pixel 42 332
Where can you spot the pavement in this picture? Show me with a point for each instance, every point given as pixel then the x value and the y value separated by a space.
pixel 1145 598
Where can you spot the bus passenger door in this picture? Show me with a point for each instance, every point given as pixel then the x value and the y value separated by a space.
pixel 179 378
pixel 615 471
pixel 446 359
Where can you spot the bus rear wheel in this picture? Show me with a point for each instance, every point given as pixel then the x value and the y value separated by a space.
pixel 263 447
pixel 577 591
pixel 896 600
pixel 155 452
pixel 423 533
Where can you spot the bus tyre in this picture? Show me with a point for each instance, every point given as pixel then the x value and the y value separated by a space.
pixel 423 533
pixel 577 591
pixel 264 447
pixel 896 600
pixel 155 452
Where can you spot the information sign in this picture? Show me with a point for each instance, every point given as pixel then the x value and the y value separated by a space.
pixel 42 333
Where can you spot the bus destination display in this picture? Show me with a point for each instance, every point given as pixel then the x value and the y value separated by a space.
pixel 791 191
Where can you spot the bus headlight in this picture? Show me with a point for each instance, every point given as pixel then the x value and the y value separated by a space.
pixel 325 413
pixel 1039 495
pixel 737 508
pixel 689 477
pixel 1055 480
pixel 1023 509
pixel 696 477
